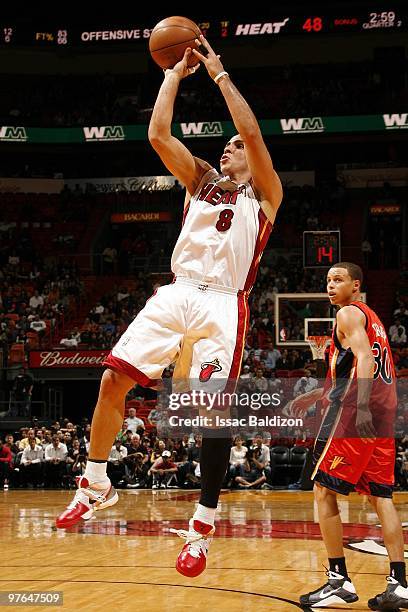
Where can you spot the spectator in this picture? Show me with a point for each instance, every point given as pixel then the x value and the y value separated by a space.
pixel 259 384
pixel 55 462
pixel 283 362
pixel 11 445
pixel 76 462
pixel 133 422
pixel 245 378
pixel 85 441
pixel 47 438
pixel 162 470
pixel 399 337
pixel 24 442
pixel 246 373
pixel 76 334
pixel 31 464
pixel 36 300
pixel 6 459
pixel 272 357
pixel 96 312
pixel 137 475
pixel 109 257
pixel 305 384
pixel 70 342
pixel 134 447
pixel 394 328
pixel 123 433
pixel 22 390
pixel 238 454
pixel 116 465
pixel 159 418
pixel 189 471
pixel 38 325
pixel 123 293
pixel 251 475
pixel 261 457
pixel 67 440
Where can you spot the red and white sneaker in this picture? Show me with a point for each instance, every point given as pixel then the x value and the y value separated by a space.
pixel 192 560
pixel 88 499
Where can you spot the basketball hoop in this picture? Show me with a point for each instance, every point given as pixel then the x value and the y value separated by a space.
pixel 318 346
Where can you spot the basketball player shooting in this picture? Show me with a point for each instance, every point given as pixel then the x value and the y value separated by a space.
pixel 355 447
pixel 200 320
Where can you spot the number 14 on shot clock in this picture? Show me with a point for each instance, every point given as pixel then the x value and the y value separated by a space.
pixel 321 249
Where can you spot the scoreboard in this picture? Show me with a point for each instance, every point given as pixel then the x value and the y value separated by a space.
pixel 61 34
pixel 321 249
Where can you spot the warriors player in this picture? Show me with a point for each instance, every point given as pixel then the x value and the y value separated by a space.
pixel 355 448
pixel 200 320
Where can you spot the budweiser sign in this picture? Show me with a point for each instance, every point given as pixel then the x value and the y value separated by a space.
pixel 67 359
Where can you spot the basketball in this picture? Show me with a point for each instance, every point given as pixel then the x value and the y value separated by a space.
pixel 170 38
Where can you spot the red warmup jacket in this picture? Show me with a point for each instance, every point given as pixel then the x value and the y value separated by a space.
pixel 5 455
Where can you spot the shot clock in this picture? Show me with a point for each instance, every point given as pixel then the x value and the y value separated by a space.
pixel 321 249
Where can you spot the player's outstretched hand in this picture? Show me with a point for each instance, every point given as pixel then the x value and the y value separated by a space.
pixel 182 69
pixel 211 61
pixel 288 409
pixel 296 408
pixel 364 423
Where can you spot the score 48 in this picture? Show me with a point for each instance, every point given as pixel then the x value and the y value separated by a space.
pixel 313 24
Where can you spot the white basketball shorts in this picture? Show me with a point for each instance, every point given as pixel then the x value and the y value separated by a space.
pixel 201 327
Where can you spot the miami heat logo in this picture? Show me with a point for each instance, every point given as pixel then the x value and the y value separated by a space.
pixel 208 368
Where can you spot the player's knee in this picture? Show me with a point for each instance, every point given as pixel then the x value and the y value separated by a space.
pixel 373 500
pixel 115 384
pixel 322 493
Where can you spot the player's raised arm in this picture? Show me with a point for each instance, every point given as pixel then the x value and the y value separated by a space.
pixel 351 324
pixel 265 179
pixel 174 155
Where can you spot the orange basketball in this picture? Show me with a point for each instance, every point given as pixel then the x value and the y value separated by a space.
pixel 170 38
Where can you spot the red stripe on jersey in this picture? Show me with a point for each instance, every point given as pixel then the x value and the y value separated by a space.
pixel 242 328
pixel 265 228
pixel 185 212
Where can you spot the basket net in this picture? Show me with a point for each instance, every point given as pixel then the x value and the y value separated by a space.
pixel 318 345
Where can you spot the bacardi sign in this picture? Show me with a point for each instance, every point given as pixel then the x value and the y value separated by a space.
pixel 67 359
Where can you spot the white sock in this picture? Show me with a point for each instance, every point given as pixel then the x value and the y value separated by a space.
pixel 205 515
pixel 96 472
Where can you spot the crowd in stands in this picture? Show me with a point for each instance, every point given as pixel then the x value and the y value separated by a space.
pixel 35 300
pixel 146 455
pixel 398 330
pixel 53 456
pixel 112 314
pixel 293 90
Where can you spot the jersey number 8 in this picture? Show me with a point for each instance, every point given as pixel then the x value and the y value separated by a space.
pixel 224 220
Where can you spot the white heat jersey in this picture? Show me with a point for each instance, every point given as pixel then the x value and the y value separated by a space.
pixel 223 236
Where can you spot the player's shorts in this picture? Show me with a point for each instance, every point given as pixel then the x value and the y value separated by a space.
pixel 365 465
pixel 199 326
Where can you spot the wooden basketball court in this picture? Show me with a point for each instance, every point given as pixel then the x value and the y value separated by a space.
pixel 267 551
